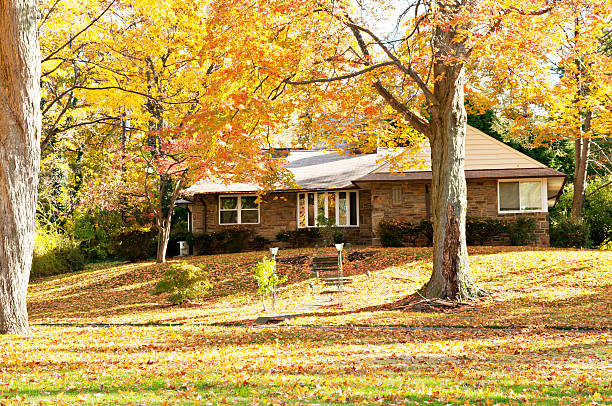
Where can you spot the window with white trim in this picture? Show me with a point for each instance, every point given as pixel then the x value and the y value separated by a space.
pixel 238 209
pixel 521 195
pixel 342 206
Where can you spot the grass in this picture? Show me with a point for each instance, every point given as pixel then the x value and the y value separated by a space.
pixel 199 362
pixel 531 288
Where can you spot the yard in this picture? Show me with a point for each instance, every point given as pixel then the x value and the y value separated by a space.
pixel 544 336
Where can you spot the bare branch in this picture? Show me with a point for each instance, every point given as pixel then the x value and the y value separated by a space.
pixel 341 77
pixel 92 22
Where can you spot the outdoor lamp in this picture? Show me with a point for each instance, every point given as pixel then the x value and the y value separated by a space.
pixel 339 247
pixel 274 251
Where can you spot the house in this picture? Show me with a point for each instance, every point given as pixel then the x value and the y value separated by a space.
pixel 359 191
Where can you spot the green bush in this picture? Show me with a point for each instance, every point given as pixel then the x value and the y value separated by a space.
pixel 267 279
pixel 482 230
pixel 55 253
pixel 134 243
pixel 231 239
pixel 568 233
pixel 396 233
pixel 300 237
pixel 597 212
pixel 183 282
pixel 521 230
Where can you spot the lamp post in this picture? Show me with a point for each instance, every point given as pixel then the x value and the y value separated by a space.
pixel 339 248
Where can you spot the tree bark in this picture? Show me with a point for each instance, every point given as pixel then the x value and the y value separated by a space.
pixel 451 273
pixel 450 276
pixel 582 149
pixel 20 124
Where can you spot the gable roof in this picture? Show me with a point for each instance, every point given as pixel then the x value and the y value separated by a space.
pixel 319 169
pixel 482 152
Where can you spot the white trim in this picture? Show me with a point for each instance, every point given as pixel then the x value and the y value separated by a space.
pixel 336 207
pixel 238 209
pixel 543 195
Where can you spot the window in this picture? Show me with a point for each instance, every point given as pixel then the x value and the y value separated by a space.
pixel 518 196
pixel 238 210
pixel 343 207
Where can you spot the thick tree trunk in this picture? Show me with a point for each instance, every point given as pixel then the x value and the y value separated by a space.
pixel 20 123
pixel 450 277
pixel 582 149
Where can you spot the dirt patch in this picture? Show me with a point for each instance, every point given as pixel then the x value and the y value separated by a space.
pixel 360 255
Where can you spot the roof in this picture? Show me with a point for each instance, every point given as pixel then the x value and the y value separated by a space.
pixel 469 174
pixel 312 169
pixel 486 157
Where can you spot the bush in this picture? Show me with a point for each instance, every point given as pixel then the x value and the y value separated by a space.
pixel 267 279
pixel 134 244
pixel 300 237
pixel 55 253
pixel 597 213
pixel 481 231
pixel 183 282
pixel 395 233
pixel 521 230
pixel 231 239
pixel 568 233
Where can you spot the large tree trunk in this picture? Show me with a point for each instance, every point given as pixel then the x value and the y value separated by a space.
pixel 20 123
pixel 450 277
pixel 582 149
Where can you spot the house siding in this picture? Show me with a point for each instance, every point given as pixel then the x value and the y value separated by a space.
pixel 278 212
pixel 482 202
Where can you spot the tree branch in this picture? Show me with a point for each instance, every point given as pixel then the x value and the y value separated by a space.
pixel 92 22
pixel 337 78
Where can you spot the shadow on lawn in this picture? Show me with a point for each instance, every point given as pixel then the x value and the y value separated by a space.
pixel 589 311
pixel 127 289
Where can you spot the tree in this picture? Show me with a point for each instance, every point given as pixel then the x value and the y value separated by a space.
pixel 19 157
pixel 573 102
pixel 189 119
pixel 353 75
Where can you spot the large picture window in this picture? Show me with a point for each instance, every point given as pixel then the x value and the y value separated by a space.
pixel 238 210
pixel 523 195
pixel 342 206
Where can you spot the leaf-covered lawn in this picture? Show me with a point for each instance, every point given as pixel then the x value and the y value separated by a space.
pixel 531 288
pixel 196 362
pixel 263 365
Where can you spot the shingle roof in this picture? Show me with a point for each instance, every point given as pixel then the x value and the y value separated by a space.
pixel 311 170
pixel 469 174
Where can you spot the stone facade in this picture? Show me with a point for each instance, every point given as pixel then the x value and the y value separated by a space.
pixel 408 201
pixel 277 212
pixel 413 205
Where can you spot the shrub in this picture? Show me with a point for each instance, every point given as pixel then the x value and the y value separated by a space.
pixel 568 233
pixel 55 253
pixel 134 243
pixel 330 232
pixel 480 231
pixel 606 245
pixel 300 237
pixel 183 282
pixel 231 239
pixel 394 233
pixel 267 279
pixel 521 230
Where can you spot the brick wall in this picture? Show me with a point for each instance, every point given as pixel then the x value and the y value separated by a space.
pixel 482 202
pixel 278 212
